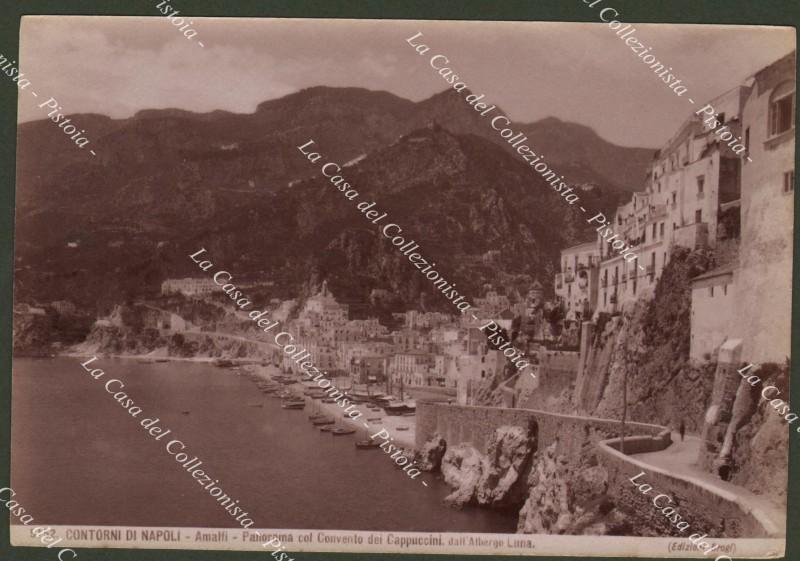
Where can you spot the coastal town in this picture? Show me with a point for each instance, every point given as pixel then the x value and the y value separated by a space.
pixel 291 343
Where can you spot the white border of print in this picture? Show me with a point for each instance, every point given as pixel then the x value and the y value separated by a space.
pixel 452 543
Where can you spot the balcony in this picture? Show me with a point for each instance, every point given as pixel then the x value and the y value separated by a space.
pixel 604 282
pixel 614 280
pixel 651 270
pixel 632 274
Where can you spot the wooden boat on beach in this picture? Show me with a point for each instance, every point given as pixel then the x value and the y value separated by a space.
pixel 341 431
pixel 293 404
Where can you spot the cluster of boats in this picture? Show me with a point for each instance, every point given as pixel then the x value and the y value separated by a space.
pixel 278 387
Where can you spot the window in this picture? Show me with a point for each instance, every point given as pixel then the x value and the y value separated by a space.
pixel 788 181
pixel 698 216
pixel 747 140
pixel 711 291
pixel 781 109
pixel 701 181
pixel 674 197
pixel 724 289
pixel 661 229
pixel 654 231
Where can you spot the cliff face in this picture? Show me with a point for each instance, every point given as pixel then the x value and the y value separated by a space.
pixel 759 440
pixel 561 488
pixel 648 345
pixel 565 498
pixel 43 334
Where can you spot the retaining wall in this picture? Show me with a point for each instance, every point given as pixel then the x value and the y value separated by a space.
pixel 475 424
pixel 708 509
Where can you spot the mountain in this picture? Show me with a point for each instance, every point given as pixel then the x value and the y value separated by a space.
pixel 99 230
pixel 576 151
pixel 571 143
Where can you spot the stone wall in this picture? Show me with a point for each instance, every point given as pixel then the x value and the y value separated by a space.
pixel 709 511
pixel 473 424
pixel 557 371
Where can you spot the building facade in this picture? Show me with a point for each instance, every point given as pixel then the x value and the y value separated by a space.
pixel 198 286
pixel 764 278
pixel 576 284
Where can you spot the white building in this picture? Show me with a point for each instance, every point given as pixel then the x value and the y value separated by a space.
pixel 190 286
pixel 764 278
pixel 576 284
pixel 713 312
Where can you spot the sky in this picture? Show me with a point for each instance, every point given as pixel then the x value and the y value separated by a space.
pixel 579 72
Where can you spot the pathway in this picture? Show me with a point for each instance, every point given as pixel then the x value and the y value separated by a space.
pixel 680 460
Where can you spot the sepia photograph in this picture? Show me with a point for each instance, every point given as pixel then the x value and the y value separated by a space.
pixel 288 285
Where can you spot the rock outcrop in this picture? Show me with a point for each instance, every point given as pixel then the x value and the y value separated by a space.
pixel 568 500
pixel 547 508
pixel 429 458
pixel 496 479
pixel 462 467
pixel 507 461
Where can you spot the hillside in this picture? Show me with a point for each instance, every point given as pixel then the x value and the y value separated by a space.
pixel 104 230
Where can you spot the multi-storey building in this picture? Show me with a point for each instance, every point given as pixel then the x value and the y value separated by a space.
pixel 576 284
pixel 493 302
pixel 691 177
pixel 199 286
pixel 764 278
pixel 414 368
pixel 368 369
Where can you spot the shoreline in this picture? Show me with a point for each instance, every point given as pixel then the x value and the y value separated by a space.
pixel 405 438
pixel 141 358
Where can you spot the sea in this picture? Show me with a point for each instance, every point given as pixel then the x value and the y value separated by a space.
pixel 79 458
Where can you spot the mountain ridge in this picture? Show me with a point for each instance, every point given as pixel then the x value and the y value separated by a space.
pixel 167 181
